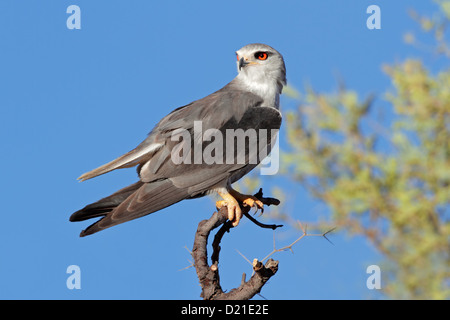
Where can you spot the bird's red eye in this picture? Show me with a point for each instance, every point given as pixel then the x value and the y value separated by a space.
pixel 261 55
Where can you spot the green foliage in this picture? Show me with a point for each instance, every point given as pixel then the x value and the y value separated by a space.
pixel 388 181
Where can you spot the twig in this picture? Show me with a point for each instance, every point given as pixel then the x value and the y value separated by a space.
pixel 304 234
pixel 191 263
pixel 260 224
pixel 246 259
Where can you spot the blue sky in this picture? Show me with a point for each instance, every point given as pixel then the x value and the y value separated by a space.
pixel 71 100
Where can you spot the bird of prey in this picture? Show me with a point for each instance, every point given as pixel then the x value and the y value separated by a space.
pixel 249 101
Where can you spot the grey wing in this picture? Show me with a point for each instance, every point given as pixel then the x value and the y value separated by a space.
pixel 204 110
pixel 164 182
pixel 259 125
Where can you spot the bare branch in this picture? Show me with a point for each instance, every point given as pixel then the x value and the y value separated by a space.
pixel 209 275
pixel 263 270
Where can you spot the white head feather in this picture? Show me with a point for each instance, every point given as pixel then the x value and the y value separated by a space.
pixel 261 71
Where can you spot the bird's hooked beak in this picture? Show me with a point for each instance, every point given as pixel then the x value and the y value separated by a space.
pixel 242 63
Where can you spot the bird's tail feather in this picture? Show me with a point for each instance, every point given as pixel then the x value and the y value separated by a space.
pixel 105 205
pixel 129 203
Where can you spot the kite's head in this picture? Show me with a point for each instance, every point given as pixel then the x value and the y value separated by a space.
pixel 261 63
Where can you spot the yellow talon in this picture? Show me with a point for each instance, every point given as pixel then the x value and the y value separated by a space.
pixel 234 210
pixel 248 200
pixel 231 199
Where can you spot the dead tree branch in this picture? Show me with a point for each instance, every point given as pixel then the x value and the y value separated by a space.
pixel 208 275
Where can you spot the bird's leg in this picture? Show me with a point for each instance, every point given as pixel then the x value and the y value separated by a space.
pixel 247 200
pixel 234 210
